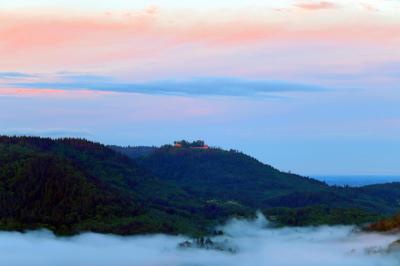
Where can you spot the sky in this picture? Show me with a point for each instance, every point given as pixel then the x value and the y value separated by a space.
pixel 310 87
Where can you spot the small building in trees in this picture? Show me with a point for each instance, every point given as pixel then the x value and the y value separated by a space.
pixel 198 144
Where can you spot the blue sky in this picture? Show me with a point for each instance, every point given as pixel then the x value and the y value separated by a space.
pixel 307 86
pixel 317 132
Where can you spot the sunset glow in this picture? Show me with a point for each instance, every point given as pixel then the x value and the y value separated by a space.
pixel 279 62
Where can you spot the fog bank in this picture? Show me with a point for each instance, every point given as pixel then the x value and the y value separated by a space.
pixel 256 244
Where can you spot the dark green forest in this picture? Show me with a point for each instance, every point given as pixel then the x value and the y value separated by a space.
pixel 74 185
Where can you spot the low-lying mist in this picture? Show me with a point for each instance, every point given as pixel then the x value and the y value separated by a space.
pixel 256 244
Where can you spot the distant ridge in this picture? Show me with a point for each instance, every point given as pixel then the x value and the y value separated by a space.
pixel 357 180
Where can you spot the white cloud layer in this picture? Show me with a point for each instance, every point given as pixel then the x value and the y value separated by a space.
pixel 328 246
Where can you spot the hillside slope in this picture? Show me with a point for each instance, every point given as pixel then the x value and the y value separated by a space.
pixel 71 185
pixel 226 175
pixel 233 176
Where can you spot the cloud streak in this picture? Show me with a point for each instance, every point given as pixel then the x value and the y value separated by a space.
pixel 13 75
pixel 218 86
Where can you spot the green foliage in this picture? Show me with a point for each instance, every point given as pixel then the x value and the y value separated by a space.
pixel 224 175
pixel 319 215
pixel 234 176
pixel 70 185
pixel 73 185
pixel 134 151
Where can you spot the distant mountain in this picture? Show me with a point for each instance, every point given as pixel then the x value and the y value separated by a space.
pixel 357 180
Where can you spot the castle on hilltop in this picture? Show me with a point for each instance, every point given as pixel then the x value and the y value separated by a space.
pixel 198 144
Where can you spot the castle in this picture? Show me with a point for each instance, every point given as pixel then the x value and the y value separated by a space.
pixel 199 144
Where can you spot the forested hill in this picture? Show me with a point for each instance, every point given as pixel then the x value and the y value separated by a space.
pixel 134 151
pixel 226 175
pixel 72 185
pixel 213 173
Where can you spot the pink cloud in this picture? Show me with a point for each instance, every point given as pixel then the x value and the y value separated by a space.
pixel 317 6
pixel 152 41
